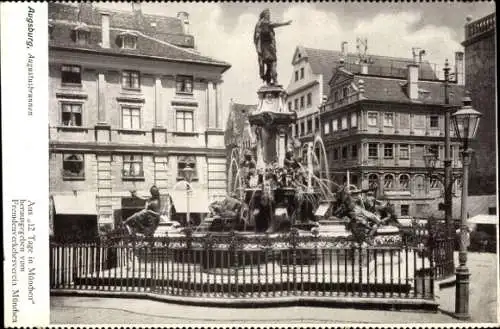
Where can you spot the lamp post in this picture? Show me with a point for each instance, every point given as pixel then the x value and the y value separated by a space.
pixel 466 123
pixel 188 175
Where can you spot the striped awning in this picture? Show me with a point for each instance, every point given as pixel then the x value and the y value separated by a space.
pixel 80 203
pixel 198 200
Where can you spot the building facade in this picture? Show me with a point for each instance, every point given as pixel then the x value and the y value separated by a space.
pixel 480 81
pixel 131 104
pixel 314 68
pixel 378 123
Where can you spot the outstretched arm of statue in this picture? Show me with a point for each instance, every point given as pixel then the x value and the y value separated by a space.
pixel 281 24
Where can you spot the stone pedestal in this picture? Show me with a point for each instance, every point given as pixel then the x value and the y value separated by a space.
pixel 272 119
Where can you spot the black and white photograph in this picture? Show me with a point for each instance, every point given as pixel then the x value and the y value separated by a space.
pixel 268 163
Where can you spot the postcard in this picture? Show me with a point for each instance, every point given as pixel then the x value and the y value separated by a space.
pixel 281 164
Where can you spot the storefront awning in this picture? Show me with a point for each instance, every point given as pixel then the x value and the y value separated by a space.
pixel 322 209
pixel 198 201
pixel 81 203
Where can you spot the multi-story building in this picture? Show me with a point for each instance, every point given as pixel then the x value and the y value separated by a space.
pixel 377 124
pixel 312 71
pixel 131 104
pixel 480 81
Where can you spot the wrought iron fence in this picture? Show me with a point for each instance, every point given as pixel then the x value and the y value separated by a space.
pixel 242 267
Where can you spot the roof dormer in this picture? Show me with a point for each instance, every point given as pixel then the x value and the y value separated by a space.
pixel 81 34
pixel 127 40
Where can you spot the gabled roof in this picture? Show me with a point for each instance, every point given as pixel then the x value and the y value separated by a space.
pixel 237 124
pixel 62 37
pixel 395 90
pixel 161 27
pixel 324 62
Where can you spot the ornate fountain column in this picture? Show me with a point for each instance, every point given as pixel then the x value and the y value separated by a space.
pixel 272 120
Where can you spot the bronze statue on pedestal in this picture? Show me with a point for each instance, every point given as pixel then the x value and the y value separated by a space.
pixel 265 43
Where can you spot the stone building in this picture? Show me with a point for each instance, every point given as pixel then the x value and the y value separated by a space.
pixel 312 71
pixel 378 122
pixel 131 104
pixel 480 81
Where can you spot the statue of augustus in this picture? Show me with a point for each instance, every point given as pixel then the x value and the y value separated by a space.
pixel 265 44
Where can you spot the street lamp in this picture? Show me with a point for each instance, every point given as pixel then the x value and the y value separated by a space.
pixel 466 123
pixel 188 175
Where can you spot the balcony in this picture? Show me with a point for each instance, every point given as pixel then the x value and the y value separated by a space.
pixel 480 26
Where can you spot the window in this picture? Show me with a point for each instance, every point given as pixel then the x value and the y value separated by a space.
pixel 404 151
pixel 131 80
pixel 309 126
pixel 131 117
pixel 434 121
pixel 296 104
pixel 309 99
pixel 373 181
pixel 435 183
pixel 326 127
pixel 71 115
pixel 419 121
pixel 335 125
pixel 316 121
pixel 290 106
pixel 129 41
pixel 345 92
pixel 405 210
pixel 492 210
pixel 184 84
pixel 373 150
pixel 302 128
pixel 388 119
pixel 388 181
pixel 372 119
pixel 302 73
pixel 404 121
pixel 82 37
pixel 71 74
pixel 433 149
pixel 73 166
pixel 184 121
pixel 336 96
pixel 344 152
pixel 132 167
pixel 418 152
pixel 354 120
pixel 388 151
pixel 343 123
pixel 404 182
pixel 296 129
pixel 184 161
pixel 301 102
pixel 354 151
pixel 296 75
pixel 335 154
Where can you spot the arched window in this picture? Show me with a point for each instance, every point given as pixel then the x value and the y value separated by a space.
pixel 73 166
pixel 388 181
pixel 404 182
pixel 182 162
pixel 373 181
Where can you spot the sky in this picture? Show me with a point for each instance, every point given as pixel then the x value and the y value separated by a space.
pixel 225 31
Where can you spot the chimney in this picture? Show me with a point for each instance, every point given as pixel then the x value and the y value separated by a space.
pixel 459 68
pixel 412 86
pixel 364 67
pixel 184 18
pixel 105 30
pixel 343 47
